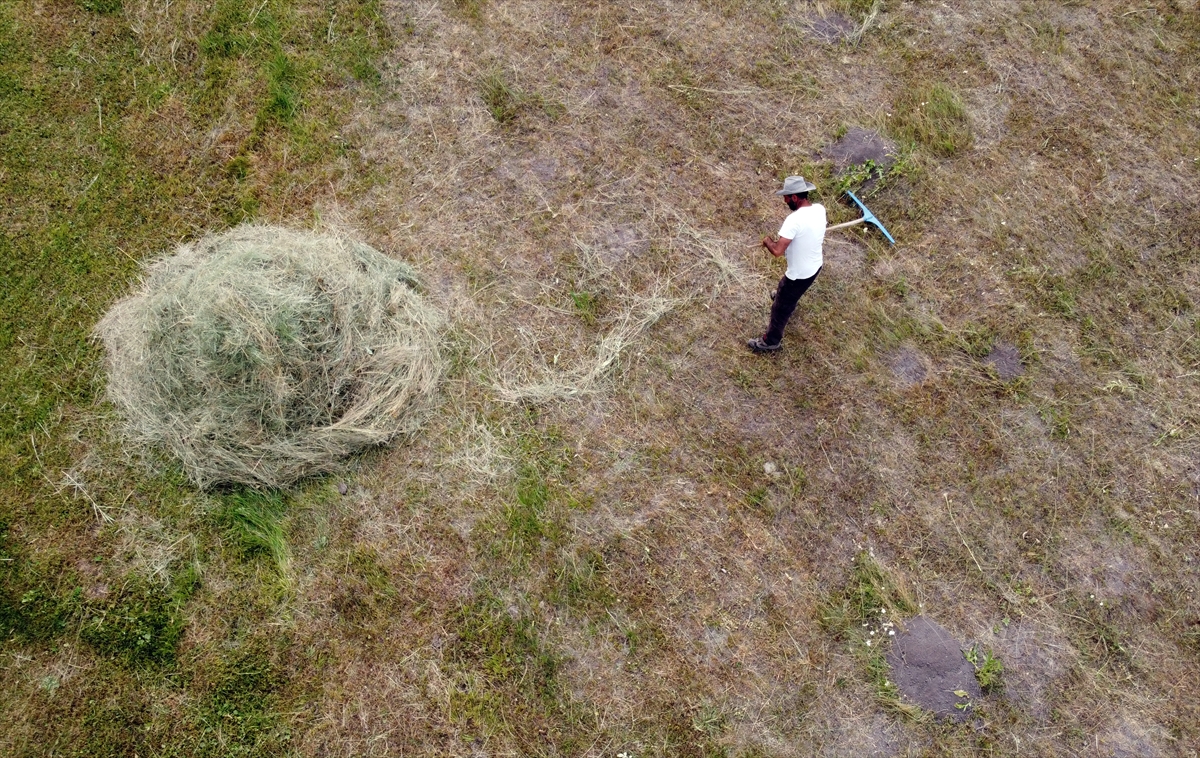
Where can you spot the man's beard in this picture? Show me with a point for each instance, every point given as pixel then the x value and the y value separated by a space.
pixel 792 203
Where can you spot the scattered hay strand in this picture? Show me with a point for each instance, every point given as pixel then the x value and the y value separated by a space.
pixel 712 272
pixel 262 355
pixel 478 453
pixel 643 312
pixel 712 252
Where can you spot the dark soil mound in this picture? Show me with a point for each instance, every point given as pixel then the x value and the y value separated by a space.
pixel 857 148
pixel 929 668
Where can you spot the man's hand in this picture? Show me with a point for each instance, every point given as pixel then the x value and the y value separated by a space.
pixel 777 247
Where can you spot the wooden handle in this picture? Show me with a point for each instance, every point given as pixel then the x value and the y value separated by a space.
pixel 848 223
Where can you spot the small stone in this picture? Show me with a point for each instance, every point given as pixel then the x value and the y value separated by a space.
pixel 770 469
pixel 343 488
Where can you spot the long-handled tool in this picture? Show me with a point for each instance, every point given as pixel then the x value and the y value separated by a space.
pixel 867 216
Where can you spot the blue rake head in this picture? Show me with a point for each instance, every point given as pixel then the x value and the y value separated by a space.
pixel 869 217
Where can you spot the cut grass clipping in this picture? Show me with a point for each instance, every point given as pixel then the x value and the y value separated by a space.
pixel 262 355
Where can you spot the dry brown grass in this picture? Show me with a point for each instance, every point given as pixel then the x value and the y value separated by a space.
pixel 661 152
pixel 587 552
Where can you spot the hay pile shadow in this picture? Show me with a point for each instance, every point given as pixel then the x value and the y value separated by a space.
pixel 263 355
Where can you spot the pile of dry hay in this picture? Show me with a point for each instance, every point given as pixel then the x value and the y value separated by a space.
pixel 263 355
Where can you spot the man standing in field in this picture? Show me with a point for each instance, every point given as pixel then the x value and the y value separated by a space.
pixel 800 238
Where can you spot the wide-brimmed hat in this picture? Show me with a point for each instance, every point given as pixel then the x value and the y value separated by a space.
pixel 795 185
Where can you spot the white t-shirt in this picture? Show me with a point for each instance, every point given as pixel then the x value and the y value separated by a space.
pixel 805 227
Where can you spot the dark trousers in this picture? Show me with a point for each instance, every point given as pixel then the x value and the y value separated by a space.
pixel 786 297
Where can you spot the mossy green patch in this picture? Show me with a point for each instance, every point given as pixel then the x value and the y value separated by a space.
pixel 38 601
pixel 139 625
pixel 504 645
pixel 236 713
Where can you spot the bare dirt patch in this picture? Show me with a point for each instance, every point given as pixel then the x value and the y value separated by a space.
pixel 844 259
pixel 1005 358
pixel 1035 658
pixel 929 669
pixel 909 366
pixel 1129 737
pixel 832 28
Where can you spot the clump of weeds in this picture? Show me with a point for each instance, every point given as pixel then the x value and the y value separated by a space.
pixel 988 668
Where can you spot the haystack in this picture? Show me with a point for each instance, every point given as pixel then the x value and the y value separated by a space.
pixel 262 355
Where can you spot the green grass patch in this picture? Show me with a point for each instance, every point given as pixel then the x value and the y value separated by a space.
pixel 864 613
pixel 237 710
pixel 1057 416
pixel 869 593
pixel 138 623
pixel 933 117
pixel 535 516
pixel 508 680
pixel 102 6
pixel 976 340
pixel 684 86
pixel 90 181
pixel 254 520
pixel 36 614
pixel 504 646
pixel 581 582
pixel 891 325
pixel 587 306
pixel 285 82
pixel 509 104
pixel 37 600
pixel 855 176
pixel 529 518
pixel 785 75
pixel 105 712
pixel 471 9
pixel 503 100
pixel 857 9
pixel 1100 632
pixel 364 596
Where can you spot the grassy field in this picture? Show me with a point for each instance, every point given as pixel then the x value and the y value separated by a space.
pixel 622 534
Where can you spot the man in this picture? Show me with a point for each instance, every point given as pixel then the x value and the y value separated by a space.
pixel 800 238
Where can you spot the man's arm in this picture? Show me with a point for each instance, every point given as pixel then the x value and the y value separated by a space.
pixel 778 247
